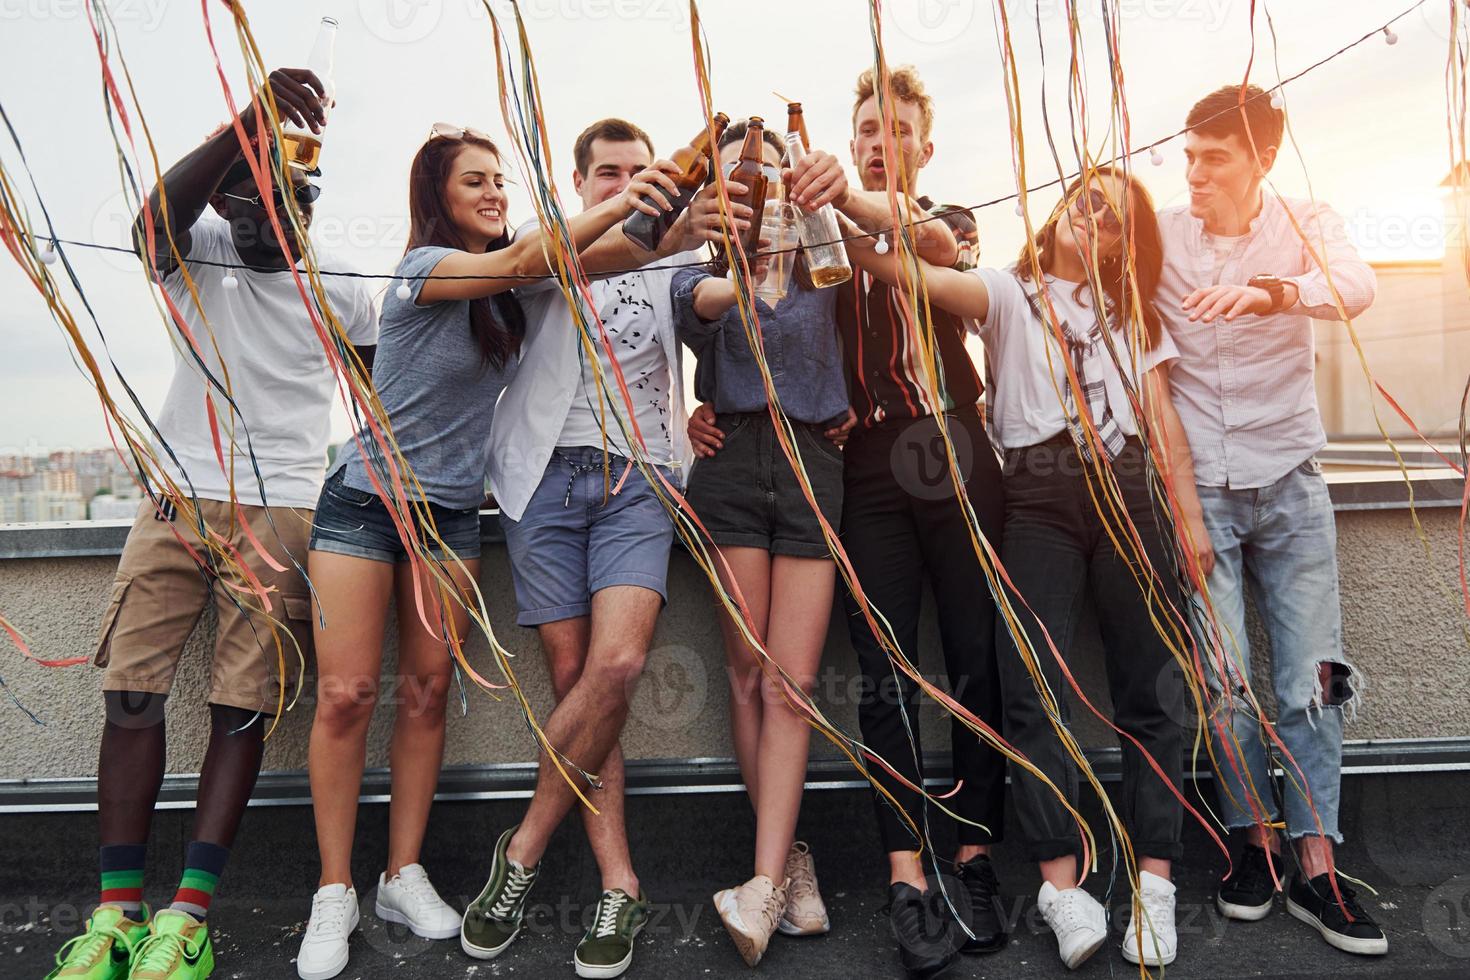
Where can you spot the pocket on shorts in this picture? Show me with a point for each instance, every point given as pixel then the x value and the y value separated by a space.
pixel 822 444
pixel 103 652
pixel 351 496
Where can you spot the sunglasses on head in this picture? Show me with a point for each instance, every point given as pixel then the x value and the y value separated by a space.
pixel 304 193
pixel 449 131
pixel 1101 209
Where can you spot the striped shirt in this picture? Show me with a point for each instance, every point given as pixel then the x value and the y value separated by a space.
pixel 1244 389
pixel 881 344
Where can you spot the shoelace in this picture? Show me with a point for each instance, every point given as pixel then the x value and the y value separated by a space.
pixel 327 915
pixel 1154 915
pixel 773 908
pixel 1068 909
pixel 1255 872
pixel 419 887
pixel 607 919
pixel 89 945
pixel 803 883
pixel 516 884
pixel 1349 901
pixel 160 952
pixel 980 883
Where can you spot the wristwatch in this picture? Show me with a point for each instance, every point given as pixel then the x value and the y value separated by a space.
pixel 1273 285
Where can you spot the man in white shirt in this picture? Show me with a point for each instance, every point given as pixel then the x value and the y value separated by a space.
pixel 1245 273
pixel 243 437
pixel 589 540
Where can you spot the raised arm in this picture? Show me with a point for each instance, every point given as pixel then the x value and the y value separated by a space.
pixel 961 293
pixel 1171 451
pixel 189 183
pixel 525 259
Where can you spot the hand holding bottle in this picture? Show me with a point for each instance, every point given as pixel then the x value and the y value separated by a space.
pixel 816 180
pixel 300 99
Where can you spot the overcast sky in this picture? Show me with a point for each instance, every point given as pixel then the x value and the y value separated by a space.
pixel 1370 126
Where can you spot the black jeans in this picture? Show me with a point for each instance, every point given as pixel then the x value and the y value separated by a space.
pixel 1058 553
pixel 900 518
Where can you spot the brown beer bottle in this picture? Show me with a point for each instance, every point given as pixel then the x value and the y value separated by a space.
pixel 694 163
pixel 796 123
pixel 751 171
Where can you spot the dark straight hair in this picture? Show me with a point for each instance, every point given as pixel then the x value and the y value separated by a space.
pixel 1143 240
pixel 735 133
pixel 497 322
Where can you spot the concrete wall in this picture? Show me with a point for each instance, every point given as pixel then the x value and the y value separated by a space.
pixel 1405 630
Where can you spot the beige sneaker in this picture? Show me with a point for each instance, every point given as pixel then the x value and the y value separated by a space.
pixel 806 914
pixel 750 914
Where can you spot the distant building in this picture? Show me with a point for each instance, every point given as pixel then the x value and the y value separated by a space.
pixel 109 507
pixel 1415 339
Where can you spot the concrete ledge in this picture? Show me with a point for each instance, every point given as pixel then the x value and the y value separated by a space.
pixel 1385 490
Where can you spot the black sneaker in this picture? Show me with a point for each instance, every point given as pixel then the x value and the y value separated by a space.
pixel 926 934
pixel 985 919
pixel 1248 892
pixel 1314 903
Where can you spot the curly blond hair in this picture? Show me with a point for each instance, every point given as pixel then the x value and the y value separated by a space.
pixel 906 85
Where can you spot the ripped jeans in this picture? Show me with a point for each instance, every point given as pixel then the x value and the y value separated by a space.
pixel 1281 538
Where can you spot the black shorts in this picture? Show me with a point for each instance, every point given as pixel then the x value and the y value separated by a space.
pixel 747 494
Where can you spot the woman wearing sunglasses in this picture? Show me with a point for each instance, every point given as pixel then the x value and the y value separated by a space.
pixel 1060 549
pixel 449 337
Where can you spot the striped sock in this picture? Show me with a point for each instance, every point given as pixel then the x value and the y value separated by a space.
pixel 122 877
pixel 203 864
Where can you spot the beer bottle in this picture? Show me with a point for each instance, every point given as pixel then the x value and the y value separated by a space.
pixel 826 257
pixel 751 171
pixel 796 123
pixel 303 148
pixel 694 163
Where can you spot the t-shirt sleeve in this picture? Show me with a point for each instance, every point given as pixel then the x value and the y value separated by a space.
pixel 1006 302
pixel 1163 352
pixel 419 262
pixel 209 242
pixel 362 326
pixel 540 287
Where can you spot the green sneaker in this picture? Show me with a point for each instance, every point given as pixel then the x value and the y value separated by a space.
pixel 104 951
pixel 607 948
pixel 177 948
pixel 493 920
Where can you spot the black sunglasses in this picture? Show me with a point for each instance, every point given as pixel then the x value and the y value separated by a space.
pixel 1101 209
pixel 304 193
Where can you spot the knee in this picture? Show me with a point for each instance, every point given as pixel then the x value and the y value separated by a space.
pixel 345 704
pixel 134 710
pixel 424 698
pixel 775 688
pixel 564 677
pixel 616 667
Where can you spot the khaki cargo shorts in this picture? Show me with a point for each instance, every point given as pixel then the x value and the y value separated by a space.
pixel 160 592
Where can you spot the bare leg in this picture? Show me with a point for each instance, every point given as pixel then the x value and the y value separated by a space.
pixel 1316 855
pixel 129 766
pixel 801 603
pixel 752 568
pixel 231 765
pixel 424 672
pixel 1061 872
pixel 353 594
pixel 566 643
pixel 586 725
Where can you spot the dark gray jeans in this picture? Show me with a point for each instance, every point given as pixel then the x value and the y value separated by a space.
pixel 1059 555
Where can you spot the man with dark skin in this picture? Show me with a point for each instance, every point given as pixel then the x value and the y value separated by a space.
pixel 251 326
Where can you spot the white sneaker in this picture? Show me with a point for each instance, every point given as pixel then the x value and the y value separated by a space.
pixel 409 899
pixel 324 947
pixel 1079 922
pixel 1160 937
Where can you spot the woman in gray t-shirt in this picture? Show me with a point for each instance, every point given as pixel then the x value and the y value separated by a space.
pixel 449 336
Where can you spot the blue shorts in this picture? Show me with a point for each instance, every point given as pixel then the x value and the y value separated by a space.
pixel 570 543
pixel 354 522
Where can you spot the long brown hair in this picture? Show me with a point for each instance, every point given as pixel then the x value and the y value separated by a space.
pixel 1141 238
pixel 497 322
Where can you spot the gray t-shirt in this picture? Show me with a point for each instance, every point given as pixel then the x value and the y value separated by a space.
pixel 437 390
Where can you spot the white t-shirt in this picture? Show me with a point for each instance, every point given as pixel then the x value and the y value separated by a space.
pixel 1023 396
pixel 279 379
pixel 628 316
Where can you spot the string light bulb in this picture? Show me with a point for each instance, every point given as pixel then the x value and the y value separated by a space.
pixel 403 292
pixel 229 281
pixel 1155 157
pixel 1389 37
pixel 882 247
pixel 48 253
pixel 1276 100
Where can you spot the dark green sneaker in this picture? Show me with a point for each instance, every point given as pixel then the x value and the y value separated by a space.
pixel 607 948
pixel 493 920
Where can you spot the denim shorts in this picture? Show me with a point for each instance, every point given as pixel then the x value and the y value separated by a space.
pixel 747 495
pixel 354 522
pixel 574 539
